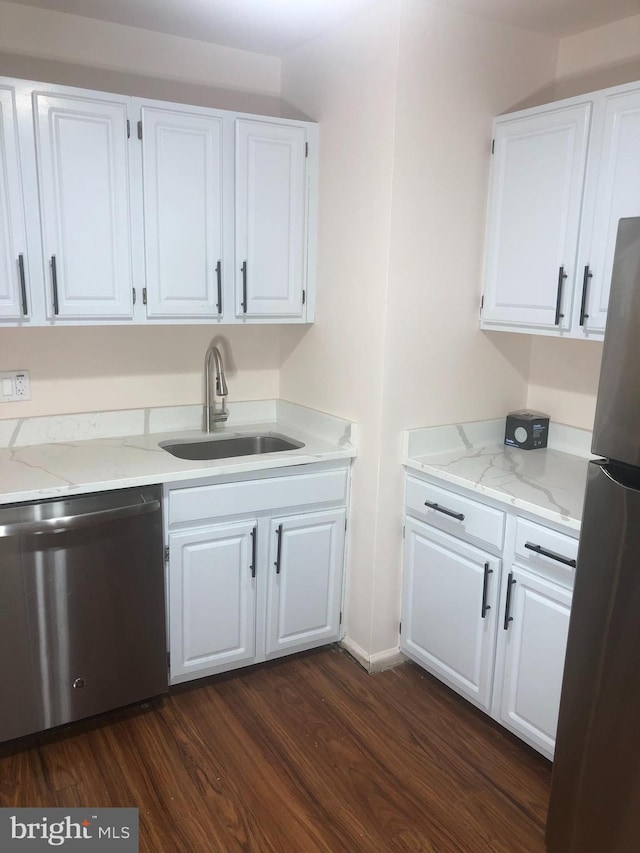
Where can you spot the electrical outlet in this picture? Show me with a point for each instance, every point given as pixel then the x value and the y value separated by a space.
pixel 15 386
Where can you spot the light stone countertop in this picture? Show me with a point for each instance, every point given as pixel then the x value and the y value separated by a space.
pixel 548 483
pixel 79 457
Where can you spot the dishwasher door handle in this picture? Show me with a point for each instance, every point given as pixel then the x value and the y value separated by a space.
pixel 75 522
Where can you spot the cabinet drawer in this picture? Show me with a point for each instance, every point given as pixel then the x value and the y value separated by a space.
pixel 457 515
pixel 198 503
pixel 545 551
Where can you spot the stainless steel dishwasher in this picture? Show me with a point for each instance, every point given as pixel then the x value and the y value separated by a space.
pixel 82 610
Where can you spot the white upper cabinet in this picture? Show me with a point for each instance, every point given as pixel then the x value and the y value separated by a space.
pixel 83 171
pixel 614 192
pixel 536 200
pixel 119 210
pixel 562 177
pixel 182 174
pixel 271 220
pixel 15 297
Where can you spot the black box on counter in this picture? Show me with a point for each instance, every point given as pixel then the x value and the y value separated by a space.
pixel 527 430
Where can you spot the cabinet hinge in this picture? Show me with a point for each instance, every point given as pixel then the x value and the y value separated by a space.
pixel 404 530
pixel 144 295
pixel 345 524
pixel 139 130
pixel 134 295
pixel 400 628
pixel 166 553
pixel 128 129
pixel 340 621
pixel 304 296
pixel 493 145
pixel 481 304
pixel 168 660
pixel 306 149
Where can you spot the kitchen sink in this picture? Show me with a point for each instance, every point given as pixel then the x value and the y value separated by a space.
pixel 238 445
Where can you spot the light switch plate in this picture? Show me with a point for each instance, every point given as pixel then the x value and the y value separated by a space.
pixel 15 385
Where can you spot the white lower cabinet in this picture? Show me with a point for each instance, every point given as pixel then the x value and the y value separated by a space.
pixel 258 584
pixel 212 598
pixel 534 644
pixel 304 580
pixel 450 597
pixel 492 626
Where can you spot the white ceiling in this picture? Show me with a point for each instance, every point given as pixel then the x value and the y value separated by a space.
pixel 279 26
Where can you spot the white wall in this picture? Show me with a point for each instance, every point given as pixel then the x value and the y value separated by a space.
pixel 405 134
pixel 97 368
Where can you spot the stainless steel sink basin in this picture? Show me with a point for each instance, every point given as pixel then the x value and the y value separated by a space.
pixel 237 445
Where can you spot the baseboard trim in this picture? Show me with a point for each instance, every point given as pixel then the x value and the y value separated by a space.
pixel 376 662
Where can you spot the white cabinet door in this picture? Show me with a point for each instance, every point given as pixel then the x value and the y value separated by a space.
pixel 15 298
pixel 271 218
pixel 536 639
pixel 449 607
pixel 535 205
pixel 183 212
pixel 304 581
pixel 212 589
pixel 614 183
pixel 83 174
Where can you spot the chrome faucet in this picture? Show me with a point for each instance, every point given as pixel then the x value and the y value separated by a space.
pixel 211 416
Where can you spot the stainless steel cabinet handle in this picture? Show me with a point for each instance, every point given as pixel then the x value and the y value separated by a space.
pixel 278 550
pixel 551 554
pixel 23 285
pixel 485 588
pixel 507 607
pixel 561 277
pixel 244 287
pixel 54 283
pixel 74 522
pixel 219 280
pixel 442 509
pixel 254 547
pixel 585 286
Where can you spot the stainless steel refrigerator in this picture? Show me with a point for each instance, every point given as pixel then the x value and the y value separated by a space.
pixel 595 791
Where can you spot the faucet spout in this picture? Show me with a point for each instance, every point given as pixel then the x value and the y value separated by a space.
pixel 212 415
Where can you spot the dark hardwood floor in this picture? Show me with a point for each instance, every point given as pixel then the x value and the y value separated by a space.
pixel 308 753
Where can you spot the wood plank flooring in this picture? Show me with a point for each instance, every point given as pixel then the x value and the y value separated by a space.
pixel 306 754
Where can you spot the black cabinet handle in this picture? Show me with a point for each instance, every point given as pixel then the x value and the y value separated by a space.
pixel 561 277
pixel 244 287
pixel 278 550
pixel 54 283
pixel 585 287
pixel 485 587
pixel 254 548
pixel 441 509
pixel 551 554
pixel 23 285
pixel 507 607
pixel 219 279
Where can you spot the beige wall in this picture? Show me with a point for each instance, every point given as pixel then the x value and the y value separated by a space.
pixel 605 56
pixel 95 368
pixel 100 368
pixel 347 81
pixel 75 39
pixel 404 168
